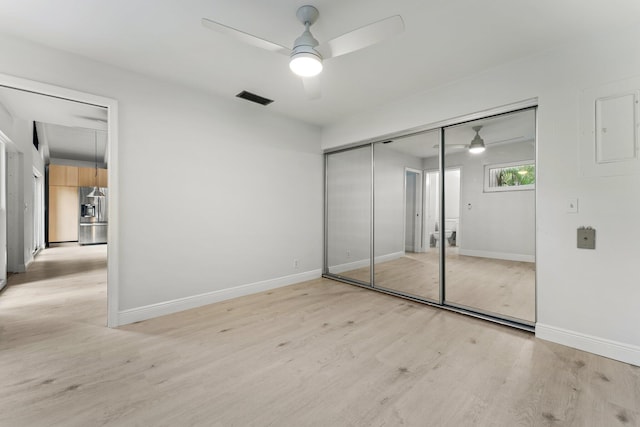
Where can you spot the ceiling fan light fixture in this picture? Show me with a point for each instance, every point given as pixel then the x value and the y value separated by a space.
pixel 305 61
pixel 477 143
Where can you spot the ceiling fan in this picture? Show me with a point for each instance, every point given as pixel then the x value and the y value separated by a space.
pixel 477 144
pixel 307 54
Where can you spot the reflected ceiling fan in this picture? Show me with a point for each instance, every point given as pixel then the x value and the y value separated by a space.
pixel 307 54
pixel 477 144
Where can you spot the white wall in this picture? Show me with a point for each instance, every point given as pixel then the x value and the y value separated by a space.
pixel 493 225
pixel 586 298
pixel 214 193
pixel 349 205
pixel 349 210
pixel 390 218
pixel 6 121
pixel 6 127
pixel 22 159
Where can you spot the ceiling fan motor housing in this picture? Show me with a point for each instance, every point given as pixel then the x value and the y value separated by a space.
pixel 306 42
pixel 305 60
pixel 307 14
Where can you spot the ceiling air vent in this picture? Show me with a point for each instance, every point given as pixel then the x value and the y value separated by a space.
pixel 254 98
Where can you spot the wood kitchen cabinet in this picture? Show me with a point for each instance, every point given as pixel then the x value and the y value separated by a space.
pixel 64 204
pixel 63 175
pixel 87 177
pixel 103 180
pixel 73 176
pixel 63 213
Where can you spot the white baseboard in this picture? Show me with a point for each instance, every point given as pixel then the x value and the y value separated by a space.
pixel 20 268
pixel 497 255
pixel 627 353
pixel 341 268
pixel 168 307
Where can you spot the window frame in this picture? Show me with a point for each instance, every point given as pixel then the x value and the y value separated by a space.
pixel 487 176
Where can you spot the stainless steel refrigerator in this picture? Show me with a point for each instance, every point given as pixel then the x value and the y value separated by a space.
pixel 94 221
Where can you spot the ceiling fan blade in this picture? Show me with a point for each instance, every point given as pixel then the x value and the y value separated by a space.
pixel 452 146
pixel 312 87
pixel 245 37
pixel 362 37
pixel 506 141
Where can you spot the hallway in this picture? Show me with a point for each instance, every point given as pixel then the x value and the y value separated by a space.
pixel 66 281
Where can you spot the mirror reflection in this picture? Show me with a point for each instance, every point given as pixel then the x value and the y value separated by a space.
pixel 490 215
pixel 406 216
pixel 349 214
pixel 482 228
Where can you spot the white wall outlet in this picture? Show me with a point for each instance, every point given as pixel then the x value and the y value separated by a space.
pixel 296 263
pixel 572 205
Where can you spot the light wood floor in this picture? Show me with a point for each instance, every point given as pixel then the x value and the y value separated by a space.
pixel 319 353
pixel 501 287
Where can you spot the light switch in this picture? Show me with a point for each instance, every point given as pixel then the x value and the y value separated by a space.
pixel 586 238
pixel 572 205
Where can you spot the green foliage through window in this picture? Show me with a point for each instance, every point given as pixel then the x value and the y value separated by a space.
pixel 510 176
pixel 519 175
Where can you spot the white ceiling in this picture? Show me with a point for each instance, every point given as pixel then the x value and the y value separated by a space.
pixel 69 129
pixel 510 128
pixel 77 144
pixel 444 40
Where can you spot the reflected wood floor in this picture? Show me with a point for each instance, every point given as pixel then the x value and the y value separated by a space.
pixel 497 286
pixel 319 353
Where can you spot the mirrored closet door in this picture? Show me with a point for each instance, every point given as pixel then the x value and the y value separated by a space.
pixel 444 216
pixel 405 216
pixel 348 214
pixel 490 215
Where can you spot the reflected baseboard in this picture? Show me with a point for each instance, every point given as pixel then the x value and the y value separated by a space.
pixel 497 255
pixel 354 265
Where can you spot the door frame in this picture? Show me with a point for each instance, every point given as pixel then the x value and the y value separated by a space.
pixel 425 201
pixel 4 251
pixel 39 190
pixel 112 152
pixel 418 233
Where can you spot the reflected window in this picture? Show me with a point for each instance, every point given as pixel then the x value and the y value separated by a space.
pixel 510 176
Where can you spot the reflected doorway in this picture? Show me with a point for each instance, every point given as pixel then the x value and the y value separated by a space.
pixel 413 237
pixel 451 221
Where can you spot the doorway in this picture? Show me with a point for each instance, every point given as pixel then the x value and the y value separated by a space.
pixel 432 222
pixel 34 235
pixel 413 236
pixel 38 212
pixel 3 211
